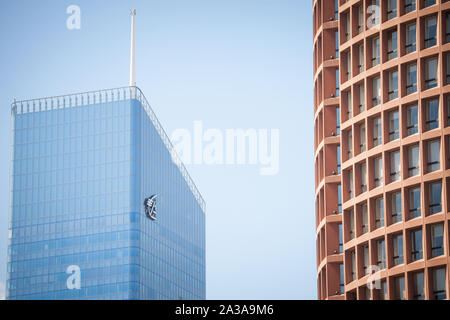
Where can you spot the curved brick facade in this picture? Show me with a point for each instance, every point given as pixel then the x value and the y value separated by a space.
pixel 382 147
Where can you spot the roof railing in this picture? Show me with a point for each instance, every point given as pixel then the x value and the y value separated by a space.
pixel 105 96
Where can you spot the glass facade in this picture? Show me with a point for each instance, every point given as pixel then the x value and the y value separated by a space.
pixel 82 167
pixel 395 175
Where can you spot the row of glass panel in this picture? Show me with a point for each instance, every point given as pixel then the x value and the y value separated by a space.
pixel 394 163
pixel 431 120
pixel 430 81
pixel 395 213
pixel 374 16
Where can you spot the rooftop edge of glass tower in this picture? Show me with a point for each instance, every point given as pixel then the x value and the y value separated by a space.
pixel 104 96
pixel 84 168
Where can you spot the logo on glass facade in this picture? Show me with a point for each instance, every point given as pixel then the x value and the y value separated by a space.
pixel 150 207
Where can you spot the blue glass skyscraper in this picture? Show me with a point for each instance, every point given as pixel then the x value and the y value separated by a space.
pixel 101 207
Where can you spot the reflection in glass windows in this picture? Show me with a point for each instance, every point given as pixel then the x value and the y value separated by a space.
pixel 378 172
pixel 410 6
pixel 379 213
pixel 410 45
pixel 412 120
pixel 430 32
pixel 377 132
pixel 363 171
pixel 414 203
pixel 375 51
pixel 437 240
pixel 399 288
pixel 396 207
pixel 413 161
pixel 397 246
pixel 416 245
pixel 376 91
pixel 391 9
pixel 393 85
pixel 411 78
pixel 362 137
pixel 395 173
pixel 418 286
pixel 433 155
pixel 431 68
pixel 392 44
pixel 364 219
pixel 435 198
pixel 381 254
pixel 439 281
pixel 432 114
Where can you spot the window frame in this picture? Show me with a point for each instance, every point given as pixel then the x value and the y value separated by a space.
pixel 379 213
pixel 412 113
pixel 397 215
pixel 381 253
pixel 411 86
pixel 394 125
pixel 391 9
pixel 438 284
pixel 433 157
pixel 411 46
pixel 399 288
pixel 431 109
pixel 364 219
pixel 363 171
pixel 437 249
pixel 447 26
pixel 375 59
pixel 413 162
pixel 392 44
pixel 392 85
pixel 434 205
pixel 377 131
pixel 430 40
pixel 362 137
pixel 362 98
pixel 395 166
pixel 397 249
pixel 418 294
pixel 414 211
pixel 410 6
pixel 378 172
pixel 416 252
pixel 431 74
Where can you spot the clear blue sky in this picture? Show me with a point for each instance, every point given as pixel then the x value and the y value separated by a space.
pixel 229 63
